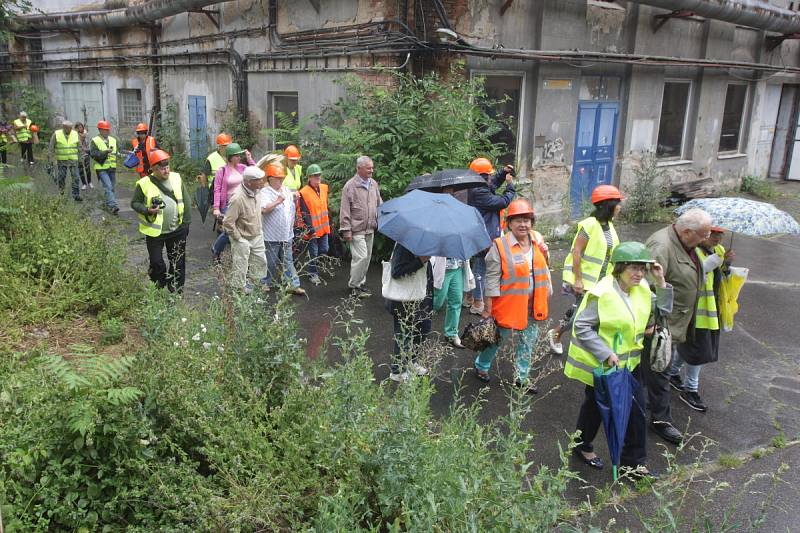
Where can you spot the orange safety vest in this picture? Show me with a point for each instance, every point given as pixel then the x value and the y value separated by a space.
pixel 317 207
pixel 149 146
pixel 516 301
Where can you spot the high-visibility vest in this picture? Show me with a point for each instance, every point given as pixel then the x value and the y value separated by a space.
pixel 3 141
pixel 152 228
pixel 149 146
pixel 24 134
pixel 594 255
pixel 706 314
pixel 516 301
pixel 67 147
pixel 621 328
pixel 216 161
pixel 293 178
pixel 318 208
pixel 111 160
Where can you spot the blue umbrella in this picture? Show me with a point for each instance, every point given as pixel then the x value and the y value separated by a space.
pixel 430 224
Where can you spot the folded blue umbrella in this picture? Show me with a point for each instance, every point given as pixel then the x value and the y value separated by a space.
pixel 432 224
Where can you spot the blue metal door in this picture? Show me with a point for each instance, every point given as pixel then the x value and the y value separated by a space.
pixel 593 162
pixel 198 146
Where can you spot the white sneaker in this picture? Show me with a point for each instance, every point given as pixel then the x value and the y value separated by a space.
pixel 455 341
pixel 555 346
pixel 315 279
pixel 418 370
pixel 91 186
pixel 83 187
pixel 400 377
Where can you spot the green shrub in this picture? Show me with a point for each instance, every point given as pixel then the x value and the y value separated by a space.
pixel 113 331
pixel 646 197
pixel 758 187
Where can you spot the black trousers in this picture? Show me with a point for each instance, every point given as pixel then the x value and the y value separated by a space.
pixel 634 451
pixel 658 393
pixel 3 156
pixel 173 276
pixel 26 150
pixel 412 324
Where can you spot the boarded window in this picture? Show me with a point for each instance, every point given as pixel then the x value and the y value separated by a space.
pixel 284 114
pixel 733 118
pixel 130 107
pixel 672 125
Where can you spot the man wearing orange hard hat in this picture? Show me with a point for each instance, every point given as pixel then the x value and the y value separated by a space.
pixel 103 151
pixel 142 145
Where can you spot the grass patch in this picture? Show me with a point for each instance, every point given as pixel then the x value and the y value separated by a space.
pixel 778 441
pixel 728 460
pixel 758 187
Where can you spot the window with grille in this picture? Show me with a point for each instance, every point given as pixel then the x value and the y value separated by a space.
pixel 130 106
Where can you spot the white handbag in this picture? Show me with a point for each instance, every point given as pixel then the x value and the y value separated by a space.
pixel 410 288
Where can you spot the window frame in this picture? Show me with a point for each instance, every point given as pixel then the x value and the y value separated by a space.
pixel 486 73
pixel 685 130
pixel 271 106
pixel 742 122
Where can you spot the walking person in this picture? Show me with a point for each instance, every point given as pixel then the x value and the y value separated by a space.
pixel 5 140
pixel 226 182
pixel 242 222
pixel 588 260
pixel 213 162
pixel 451 278
pixel 358 220
pixel 103 151
pixel 278 211
pixel 142 144
pixel 158 199
pixel 517 293
pixel 673 248
pixel 64 146
pixel 703 347
pixel 84 161
pixel 24 135
pixel 313 204
pixel 608 330
pixel 489 204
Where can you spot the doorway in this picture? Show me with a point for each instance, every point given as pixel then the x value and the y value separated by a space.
pixel 593 161
pixel 83 101
pixel 785 160
pixel 198 144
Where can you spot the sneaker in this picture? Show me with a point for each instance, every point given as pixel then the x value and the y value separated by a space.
pixel 365 292
pixel 83 187
pixel 529 387
pixel 91 186
pixel 115 210
pixel 482 375
pixel 399 377
pixel 676 383
pixel 476 310
pixel 315 279
pixel 297 291
pixel 638 472
pixel 455 342
pixel 417 369
pixel 693 400
pixel 555 346
pixel 78 199
pixel 466 302
pixel 666 431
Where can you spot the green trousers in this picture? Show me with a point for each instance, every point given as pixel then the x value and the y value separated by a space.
pixel 452 292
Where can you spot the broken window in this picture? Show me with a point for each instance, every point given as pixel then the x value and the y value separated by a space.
pixel 599 88
pixel 733 118
pixel 672 124
pixel 129 102
pixel 505 94
pixel 284 114
pixel 36 57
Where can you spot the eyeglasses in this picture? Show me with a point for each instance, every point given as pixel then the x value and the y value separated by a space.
pixel 163 164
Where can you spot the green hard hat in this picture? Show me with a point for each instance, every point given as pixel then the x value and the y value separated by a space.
pixel 233 149
pixel 313 169
pixel 631 252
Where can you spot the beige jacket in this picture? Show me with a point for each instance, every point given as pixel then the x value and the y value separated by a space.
pixel 243 218
pixel 358 213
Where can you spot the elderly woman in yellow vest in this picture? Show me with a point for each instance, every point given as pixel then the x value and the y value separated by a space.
pixel 609 330
pixel 703 346
pixel 517 290
pixel 24 135
pixel 588 260
pixel 65 147
pixel 158 199
pixel 5 140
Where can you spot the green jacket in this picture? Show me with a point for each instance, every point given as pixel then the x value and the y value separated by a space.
pixel 685 277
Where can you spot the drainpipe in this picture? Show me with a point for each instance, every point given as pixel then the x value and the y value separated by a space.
pixel 759 14
pixel 137 15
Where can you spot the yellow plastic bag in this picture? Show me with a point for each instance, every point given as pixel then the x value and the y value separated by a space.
pixel 729 296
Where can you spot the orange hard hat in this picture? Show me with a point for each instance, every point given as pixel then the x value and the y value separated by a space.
pixel 518 207
pixel 141 127
pixel 275 170
pixel 481 166
pixel 292 152
pixel 157 156
pixel 223 139
pixel 103 125
pixel 34 128
pixel 605 192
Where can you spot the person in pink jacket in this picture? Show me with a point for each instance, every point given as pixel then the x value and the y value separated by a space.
pixel 226 181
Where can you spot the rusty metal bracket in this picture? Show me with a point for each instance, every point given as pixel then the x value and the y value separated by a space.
pixel 210 13
pixel 505 7
pixel 660 20
pixel 774 41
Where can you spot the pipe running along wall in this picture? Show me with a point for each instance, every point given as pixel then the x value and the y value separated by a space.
pixel 758 14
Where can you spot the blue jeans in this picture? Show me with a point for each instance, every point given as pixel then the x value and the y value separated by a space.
pixel 316 246
pixel 479 271
pixel 692 383
pixel 108 177
pixel 221 241
pixel 526 342
pixel 280 253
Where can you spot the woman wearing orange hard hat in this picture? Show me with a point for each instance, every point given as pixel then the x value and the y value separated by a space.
pixel 294 172
pixel 589 258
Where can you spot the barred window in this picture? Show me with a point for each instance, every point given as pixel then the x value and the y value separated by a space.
pixel 130 106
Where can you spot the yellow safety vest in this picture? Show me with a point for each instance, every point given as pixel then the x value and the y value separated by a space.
pixel 594 255
pixel 706 314
pixel 616 321
pixel 23 135
pixel 111 160
pixel 216 161
pixel 293 177
pixel 3 141
pixel 150 190
pixel 67 147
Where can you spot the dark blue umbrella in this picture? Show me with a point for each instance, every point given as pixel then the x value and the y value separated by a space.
pixel 431 224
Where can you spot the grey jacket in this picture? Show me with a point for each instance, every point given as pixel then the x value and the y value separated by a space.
pixel 685 277
pixel 358 213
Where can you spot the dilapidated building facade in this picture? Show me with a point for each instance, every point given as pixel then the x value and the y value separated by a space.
pixel 710 87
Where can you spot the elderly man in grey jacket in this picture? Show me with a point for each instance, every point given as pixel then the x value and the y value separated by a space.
pixel 674 248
